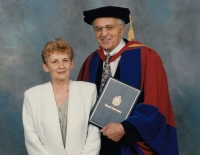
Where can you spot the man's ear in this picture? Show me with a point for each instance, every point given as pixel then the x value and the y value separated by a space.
pixel 45 67
pixel 123 28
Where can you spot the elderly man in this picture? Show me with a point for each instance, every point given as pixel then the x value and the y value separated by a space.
pixel 151 127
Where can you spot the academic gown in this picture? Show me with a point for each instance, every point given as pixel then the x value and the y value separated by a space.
pixel 41 121
pixel 141 67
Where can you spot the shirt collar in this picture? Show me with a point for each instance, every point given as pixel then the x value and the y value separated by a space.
pixel 116 49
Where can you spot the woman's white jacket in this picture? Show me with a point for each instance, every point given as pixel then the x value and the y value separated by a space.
pixel 41 122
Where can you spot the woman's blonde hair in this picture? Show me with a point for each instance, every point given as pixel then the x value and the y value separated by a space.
pixel 57 46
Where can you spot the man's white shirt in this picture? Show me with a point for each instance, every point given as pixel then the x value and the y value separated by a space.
pixel 114 64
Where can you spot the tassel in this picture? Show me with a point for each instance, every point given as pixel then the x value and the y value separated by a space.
pixel 131 32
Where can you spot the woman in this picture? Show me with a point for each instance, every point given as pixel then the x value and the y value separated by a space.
pixel 55 114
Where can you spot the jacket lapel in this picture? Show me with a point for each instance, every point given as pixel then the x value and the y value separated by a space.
pixel 74 121
pixel 52 120
pixel 71 117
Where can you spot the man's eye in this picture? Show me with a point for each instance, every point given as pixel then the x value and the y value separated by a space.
pixel 109 27
pixel 98 29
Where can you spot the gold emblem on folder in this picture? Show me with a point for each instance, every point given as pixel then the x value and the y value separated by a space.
pixel 117 100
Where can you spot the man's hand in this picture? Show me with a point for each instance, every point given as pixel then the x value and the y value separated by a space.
pixel 113 131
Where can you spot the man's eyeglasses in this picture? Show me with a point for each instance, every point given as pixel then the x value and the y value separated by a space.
pixel 107 27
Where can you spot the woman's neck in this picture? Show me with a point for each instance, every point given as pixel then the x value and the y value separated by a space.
pixel 61 90
pixel 60 86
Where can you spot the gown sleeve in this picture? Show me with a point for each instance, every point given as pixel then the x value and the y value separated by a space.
pixel 154 119
pixel 84 72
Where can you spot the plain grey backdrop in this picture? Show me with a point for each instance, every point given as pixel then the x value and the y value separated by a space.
pixel 170 27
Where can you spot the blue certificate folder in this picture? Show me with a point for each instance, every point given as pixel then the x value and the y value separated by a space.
pixel 114 104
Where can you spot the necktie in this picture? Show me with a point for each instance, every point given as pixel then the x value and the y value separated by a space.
pixel 106 72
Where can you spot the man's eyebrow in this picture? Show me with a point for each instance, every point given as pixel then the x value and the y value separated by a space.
pixel 103 26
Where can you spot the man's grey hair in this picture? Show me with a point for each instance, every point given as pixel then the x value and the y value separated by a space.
pixel 121 22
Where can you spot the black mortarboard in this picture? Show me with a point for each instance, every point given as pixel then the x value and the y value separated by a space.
pixel 107 11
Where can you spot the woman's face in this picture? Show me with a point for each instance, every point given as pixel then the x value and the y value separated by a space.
pixel 59 66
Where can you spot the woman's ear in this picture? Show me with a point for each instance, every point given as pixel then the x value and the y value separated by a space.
pixel 45 67
pixel 72 65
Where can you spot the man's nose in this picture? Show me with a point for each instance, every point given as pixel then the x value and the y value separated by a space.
pixel 104 31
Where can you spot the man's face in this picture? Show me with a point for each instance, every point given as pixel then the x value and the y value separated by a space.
pixel 108 32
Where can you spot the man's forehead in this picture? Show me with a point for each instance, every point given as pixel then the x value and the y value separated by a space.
pixel 105 21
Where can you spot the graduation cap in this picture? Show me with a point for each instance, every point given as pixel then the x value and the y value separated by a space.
pixel 110 11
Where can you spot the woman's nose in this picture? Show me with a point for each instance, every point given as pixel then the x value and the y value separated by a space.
pixel 61 65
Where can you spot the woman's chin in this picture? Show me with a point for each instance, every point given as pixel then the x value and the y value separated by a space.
pixel 62 79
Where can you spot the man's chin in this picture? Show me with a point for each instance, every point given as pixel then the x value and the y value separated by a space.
pixel 106 48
